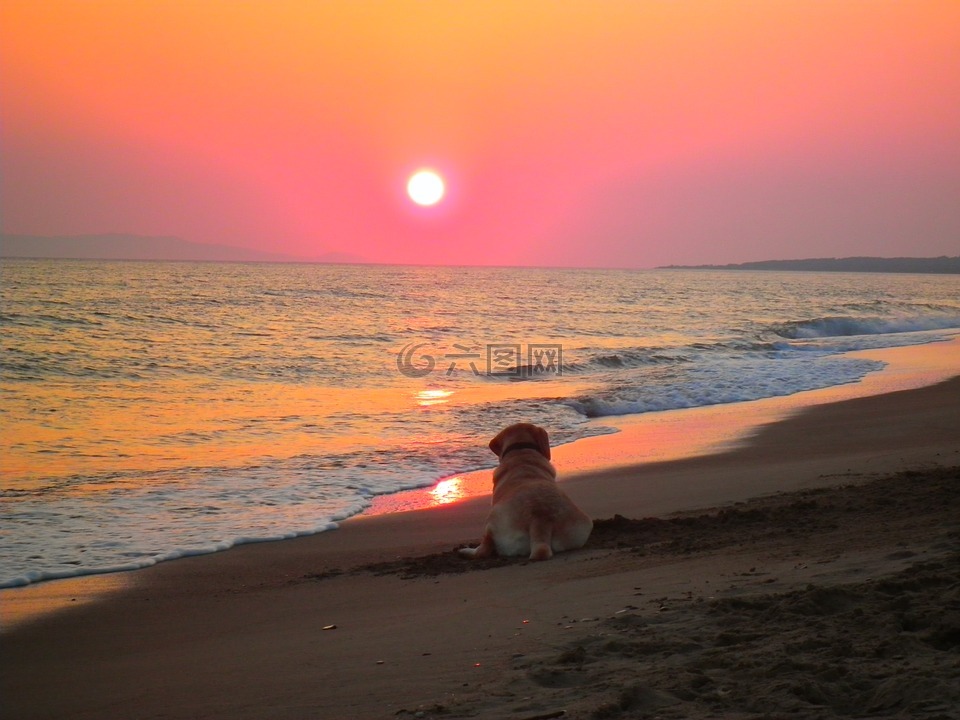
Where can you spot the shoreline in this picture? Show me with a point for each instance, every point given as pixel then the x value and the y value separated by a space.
pixel 699 431
pixel 651 438
pixel 299 628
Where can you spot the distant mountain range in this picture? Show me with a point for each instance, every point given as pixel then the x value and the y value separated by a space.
pixel 144 247
pixel 941 264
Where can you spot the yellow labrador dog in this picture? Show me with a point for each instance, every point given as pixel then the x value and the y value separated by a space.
pixel 530 514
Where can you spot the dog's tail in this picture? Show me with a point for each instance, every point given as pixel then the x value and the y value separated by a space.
pixel 541 533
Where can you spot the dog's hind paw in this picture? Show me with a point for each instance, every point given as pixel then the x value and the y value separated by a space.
pixel 468 552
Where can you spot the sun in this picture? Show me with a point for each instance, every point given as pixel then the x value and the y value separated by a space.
pixel 426 187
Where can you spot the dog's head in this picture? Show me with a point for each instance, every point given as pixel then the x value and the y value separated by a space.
pixel 526 435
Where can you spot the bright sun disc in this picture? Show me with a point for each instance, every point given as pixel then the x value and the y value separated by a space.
pixel 425 187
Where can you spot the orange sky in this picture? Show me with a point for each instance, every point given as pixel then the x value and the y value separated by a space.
pixel 570 133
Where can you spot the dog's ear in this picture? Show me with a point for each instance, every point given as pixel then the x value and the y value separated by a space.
pixel 542 440
pixel 496 445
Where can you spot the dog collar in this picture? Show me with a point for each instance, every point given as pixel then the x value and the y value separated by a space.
pixel 520 446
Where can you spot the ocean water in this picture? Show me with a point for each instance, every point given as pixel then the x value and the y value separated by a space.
pixel 156 410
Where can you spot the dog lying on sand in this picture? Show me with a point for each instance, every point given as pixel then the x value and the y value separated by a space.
pixel 530 514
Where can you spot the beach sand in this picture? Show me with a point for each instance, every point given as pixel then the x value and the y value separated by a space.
pixel 814 570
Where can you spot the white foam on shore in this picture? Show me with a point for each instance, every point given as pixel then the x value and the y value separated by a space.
pixel 31 577
pixel 785 368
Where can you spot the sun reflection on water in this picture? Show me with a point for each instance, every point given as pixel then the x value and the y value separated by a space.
pixel 432 397
pixel 448 491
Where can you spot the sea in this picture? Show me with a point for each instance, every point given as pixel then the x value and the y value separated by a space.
pixel 156 410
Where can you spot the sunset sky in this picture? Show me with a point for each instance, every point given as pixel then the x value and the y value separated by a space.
pixel 579 133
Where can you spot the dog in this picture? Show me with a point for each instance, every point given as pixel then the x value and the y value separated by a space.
pixel 530 514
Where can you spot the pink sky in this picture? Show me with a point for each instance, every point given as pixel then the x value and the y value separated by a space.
pixel 629 134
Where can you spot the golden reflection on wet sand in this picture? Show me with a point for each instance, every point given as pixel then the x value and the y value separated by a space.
pixel 23 604
pixel 448 490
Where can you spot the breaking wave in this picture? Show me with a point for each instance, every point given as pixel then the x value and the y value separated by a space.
pixel 845 326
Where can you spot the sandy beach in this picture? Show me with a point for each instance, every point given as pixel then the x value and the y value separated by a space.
pixel 810 571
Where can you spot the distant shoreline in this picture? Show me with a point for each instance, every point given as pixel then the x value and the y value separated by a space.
pixel 942 265
pixel 144 248
pixel 140 248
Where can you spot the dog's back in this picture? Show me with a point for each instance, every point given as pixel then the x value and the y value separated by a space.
pixel 531 515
